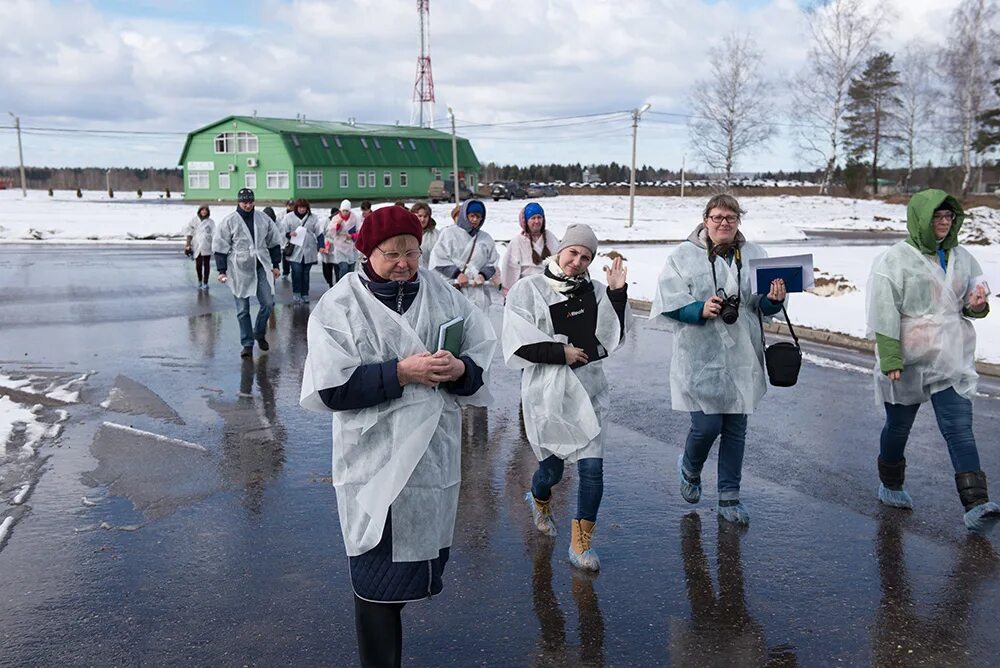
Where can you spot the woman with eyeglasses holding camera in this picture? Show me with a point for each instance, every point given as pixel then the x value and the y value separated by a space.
pixel 717 365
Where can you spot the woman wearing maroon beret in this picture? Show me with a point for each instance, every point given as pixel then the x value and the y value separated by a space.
pixel 396 401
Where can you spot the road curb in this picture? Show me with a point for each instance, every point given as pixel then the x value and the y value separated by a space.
pixel 829 338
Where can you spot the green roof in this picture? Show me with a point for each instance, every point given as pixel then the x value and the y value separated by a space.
pixel 321 143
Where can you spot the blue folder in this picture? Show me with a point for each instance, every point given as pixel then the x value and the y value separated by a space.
pixel 792 276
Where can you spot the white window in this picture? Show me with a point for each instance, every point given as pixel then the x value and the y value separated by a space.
pixel 198 180
pixel 412 145
pixel 436 173
pixel 364 142
pixel 236 142
pixel 223 180
pixel 387 179
pixel 277 180
pixel 371 179
pixel 378 144
pixel 250 180
pixel 326 144
pixel 295 140
pixel 399 142
pixel 362 183
pixel 309 179
pixel 336 139
pixel 344 180
pixel 404 180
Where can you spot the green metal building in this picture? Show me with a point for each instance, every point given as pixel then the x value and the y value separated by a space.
pixel 321 161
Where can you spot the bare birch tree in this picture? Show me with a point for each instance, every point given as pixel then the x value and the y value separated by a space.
pixel 843 33
pixel 731 108
pixel 915 93
pixel 966 66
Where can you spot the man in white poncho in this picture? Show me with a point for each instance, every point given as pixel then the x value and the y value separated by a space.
pixel 396 401
pixel 558 326
pixel 922 294
pixel 717 364
pixel 467 256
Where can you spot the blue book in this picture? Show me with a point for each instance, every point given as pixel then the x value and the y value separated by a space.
pixel 791 275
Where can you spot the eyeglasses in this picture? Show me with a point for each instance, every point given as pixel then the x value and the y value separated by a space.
pixel 729 219
pixel 395 256
pixel 944 215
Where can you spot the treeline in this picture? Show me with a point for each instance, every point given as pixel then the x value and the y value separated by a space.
pixel 608 173
pixel 96 178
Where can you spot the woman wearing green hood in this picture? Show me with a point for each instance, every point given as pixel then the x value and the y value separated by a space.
pixel 922 294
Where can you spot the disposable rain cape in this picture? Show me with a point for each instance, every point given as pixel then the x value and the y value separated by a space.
pixel 233 239
pixel 341 244
pixel 911 299
pixel 715 368
pixel 563 408
pixel 309 249
pixel 427 243
pixel 200 232
pixel 454 247
pixel 406 452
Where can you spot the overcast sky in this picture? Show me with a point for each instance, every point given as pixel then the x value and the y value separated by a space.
pixel 172 66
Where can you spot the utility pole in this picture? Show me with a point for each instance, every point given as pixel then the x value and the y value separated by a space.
pixel 636 113
pixel 683 161
pixel 107 180
pixel 454 156
pixel 20 153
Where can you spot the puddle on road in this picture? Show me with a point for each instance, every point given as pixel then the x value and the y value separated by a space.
pixel 130 397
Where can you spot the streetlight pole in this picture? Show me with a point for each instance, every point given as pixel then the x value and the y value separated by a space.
pixel 454 156
pixel 636 113
pixel 20 153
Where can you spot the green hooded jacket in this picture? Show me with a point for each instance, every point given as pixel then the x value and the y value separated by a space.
pixel 920 227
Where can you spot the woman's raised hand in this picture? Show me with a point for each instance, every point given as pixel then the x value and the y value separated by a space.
pixel 778 291
pixel 616 274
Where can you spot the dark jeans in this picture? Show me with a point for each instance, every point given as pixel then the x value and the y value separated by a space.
pixel 202 263
pixel 285 266
pixel 300 278
pixel 334 271
pixel 954 418
pixel 590 486
pixel 266 298
pixel 704 430
pixel 380 633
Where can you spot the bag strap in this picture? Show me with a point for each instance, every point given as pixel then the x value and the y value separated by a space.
pixel 472 250
pixel 788 321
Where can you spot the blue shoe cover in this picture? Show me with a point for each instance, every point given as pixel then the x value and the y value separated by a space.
pixel 587 561
pixel 737 513
pixel 897 498
pixel 690 491
pixel 983 517
pixel 542 519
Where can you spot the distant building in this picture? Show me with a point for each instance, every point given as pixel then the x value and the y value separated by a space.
pixel 319 160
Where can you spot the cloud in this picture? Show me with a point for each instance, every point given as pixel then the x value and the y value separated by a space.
pixel 76 64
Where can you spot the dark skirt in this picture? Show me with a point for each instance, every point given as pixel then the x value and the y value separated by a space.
pixel 376 577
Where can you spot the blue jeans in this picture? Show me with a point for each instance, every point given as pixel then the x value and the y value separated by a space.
pixel 342 269
pixel 266 298
pixel 704 430
pixel 300 278
pixel 589 490
pixel 954 418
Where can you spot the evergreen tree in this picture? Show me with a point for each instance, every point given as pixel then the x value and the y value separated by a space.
pixel 989 131
pixel 871 113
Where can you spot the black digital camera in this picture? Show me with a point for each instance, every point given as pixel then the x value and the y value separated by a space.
pixel 730 311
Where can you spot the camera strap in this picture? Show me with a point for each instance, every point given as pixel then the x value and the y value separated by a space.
pixel 737 258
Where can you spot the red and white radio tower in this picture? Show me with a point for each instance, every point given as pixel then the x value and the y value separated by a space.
pixel 423 89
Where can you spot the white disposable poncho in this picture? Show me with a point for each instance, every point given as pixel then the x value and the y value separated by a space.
pixel 338 233
pixel 200 232
pixel 406 452
pixel 911 299
pixel 309 249
pixel 427 243
pixel 232 238
pixel 715 368
pixel 563 408
pixel 471 254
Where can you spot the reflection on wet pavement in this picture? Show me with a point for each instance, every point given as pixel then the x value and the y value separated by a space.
pixel 908 631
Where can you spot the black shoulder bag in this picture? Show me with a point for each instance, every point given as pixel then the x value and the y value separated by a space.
pixel 783 359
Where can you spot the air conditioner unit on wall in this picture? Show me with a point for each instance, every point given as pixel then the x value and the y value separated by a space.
pixel 232 168
pixel 252 162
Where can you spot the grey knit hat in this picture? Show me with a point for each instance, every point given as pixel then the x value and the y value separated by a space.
pixel 579 234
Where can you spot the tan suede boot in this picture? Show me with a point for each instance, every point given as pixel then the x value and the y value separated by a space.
pixel 580 553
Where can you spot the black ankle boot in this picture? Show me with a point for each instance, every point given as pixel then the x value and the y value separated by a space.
pixel 892 475
pixel 972 489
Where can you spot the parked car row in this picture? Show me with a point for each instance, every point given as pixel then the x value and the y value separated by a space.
pixel 512 190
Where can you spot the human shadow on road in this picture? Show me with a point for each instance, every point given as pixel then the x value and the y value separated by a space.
pixel 721 631
pixel 901 635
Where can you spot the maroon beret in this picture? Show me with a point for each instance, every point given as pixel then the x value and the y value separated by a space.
pixel 385 223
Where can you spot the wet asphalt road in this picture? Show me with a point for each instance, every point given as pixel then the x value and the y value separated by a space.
pixel 232 555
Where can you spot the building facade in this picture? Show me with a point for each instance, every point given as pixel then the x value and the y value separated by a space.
pixel 284 159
